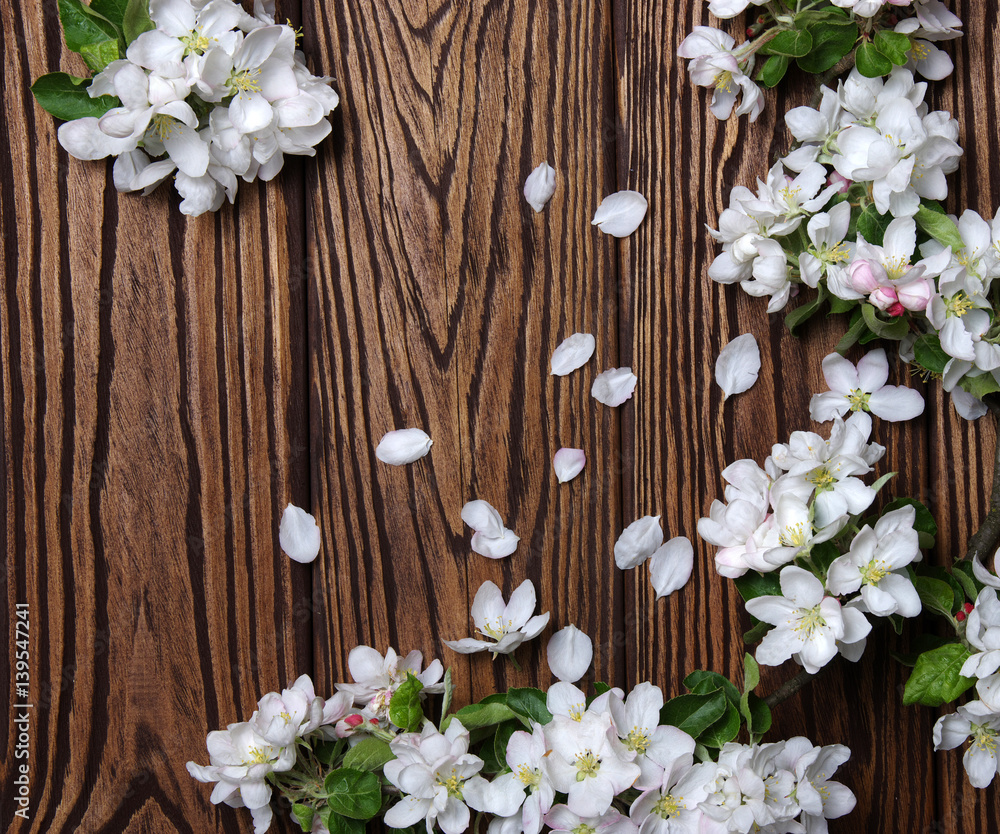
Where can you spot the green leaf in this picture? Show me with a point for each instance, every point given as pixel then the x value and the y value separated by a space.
pixel 791 42
pixel 703 683
pixel 404 708
pixel 328 751
pixel 919 644
pixel 928 353
pixel 935 679
pixel 935 594
pixel 773 70
pixel 529 703
pixel 855 331
pixel 940 227
pixel 962 571
pixel 354 794
pixel 304 815
pixel 759 718
pixel 475 716
pixel 753 584
pixel 831 42
pixel 980 386
pixel 894 330
pixel 336 824
pixel 494 753
pixel 65 97
pixel 724 730
pixel 98 55
pixel 694 713
pixel 871 62
pixel 756 633
pixel 894 45
pixel 841 305
pixel 82 26
pixel 751 673
pixel 872 225
pixel 112 10
pixel 136 20
pixel 368 754
pixel 881 482
pixel 449 691
pixel 600 687
pixel 804 312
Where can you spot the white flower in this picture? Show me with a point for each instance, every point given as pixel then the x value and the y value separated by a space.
pixel 818 797
pixel 807 624
pixel 298 534
pixel 738 365
pixel 491 539
pixel 982 723
pixel 743 795
pixel 569 653
pixel 573 352
pixel 638 542
pixel 403 446
pixel 730 8
pixel 671 565
pixel 562 820
pixel 506 625
pixel 296 712
pixel 614 386
pixel 982 630
pixel 377 677
pixel 620 214
pixel 828 250
pixel 437 776
pixel 584 765
pixel 670 806
pixel 863 388
pixel 714 63
pixel 568 463
pixel 540 186
pixel 241 762
pixel 529 784
pixel 876 564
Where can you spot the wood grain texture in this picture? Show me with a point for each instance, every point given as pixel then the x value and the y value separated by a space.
pixel 169 384
pixel 154 426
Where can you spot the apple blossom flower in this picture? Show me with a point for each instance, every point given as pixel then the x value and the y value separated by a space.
pixel 297 711
pixel 714 63
pixel 562 820
pixel 651 746
pixel 818 797
pixel 528 785
pixel 377 677
pixel 863 388
pixel 980 722
pixel 506 625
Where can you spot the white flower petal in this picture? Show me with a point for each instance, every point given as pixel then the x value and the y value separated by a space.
pixel 574 352
pixel 620 214
pixel 968 406
pixel 569 653
pixel 540 186
pixel 670 566
pixel 403 446
pixel 298 534
pixel 614 386
pixel 738 364
pixel 495 547
pixel 638 542
pixel 482 517
pixel 568 463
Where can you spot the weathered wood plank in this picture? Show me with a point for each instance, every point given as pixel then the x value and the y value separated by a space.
pixel 154 425
pixel 421 213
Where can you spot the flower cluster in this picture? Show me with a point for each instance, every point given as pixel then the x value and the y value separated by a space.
pixel 558 759
pixel 208 95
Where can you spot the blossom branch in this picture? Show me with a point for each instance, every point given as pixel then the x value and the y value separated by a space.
pixel 788 689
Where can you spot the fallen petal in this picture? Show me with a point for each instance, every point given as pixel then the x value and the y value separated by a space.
pixel 671 565
pixel 569 653
pixel 495 547
pixel 482 517
pixel 738 365
pixel 573 353
pixel 638 542
pixel 620 214
pixel 403 446
pixel 540 186
pixel 568 463
pixel 298 534
pixel 614 386
pixel 967 405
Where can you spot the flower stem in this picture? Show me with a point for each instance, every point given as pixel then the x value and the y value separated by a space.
pixel 788 689
pixel 987 537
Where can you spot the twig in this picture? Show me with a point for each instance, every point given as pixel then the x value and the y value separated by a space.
pixel 987 537
pixel 788 689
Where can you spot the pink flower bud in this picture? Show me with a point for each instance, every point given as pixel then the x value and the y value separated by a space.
pixel 862 278
pixel 896 309
pixel 353 720
pixel 884 298
pixel 915 295
pixel 843 182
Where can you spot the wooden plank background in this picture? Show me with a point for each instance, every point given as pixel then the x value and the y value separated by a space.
pixel 169 384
